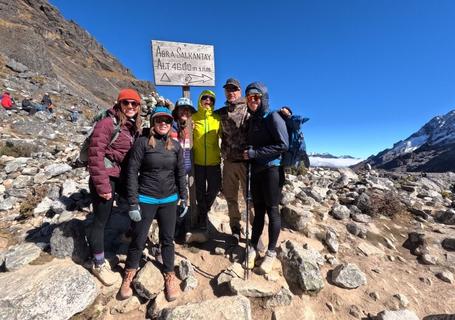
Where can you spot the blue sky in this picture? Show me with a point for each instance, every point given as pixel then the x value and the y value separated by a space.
pixel 366 73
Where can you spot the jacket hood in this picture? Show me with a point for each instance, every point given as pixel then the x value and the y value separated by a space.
pixel 205 93
pixel 259 86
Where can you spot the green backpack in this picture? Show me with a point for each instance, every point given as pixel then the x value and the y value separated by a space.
pixel 82 159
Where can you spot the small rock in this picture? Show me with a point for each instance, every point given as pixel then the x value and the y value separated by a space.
pixel 185 269
pixel 397 315
pixel 360 217
pixel 445 276
pixel 340 212
pixel 57 169
pixel 189 283
pixel 448 244
pixel 374 295
pixel 126 306
pixel 357 230
pixel 428 259
pixel 331 240
pixel 252 288
pixel 43 207
pixel 402 300
pixel 21 255
pixel 355 311
pixel 148 281
pixel 348 276
pixel 220 251
pixel 282 298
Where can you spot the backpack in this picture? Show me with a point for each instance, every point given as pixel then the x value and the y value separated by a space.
pixel 296 155
pixel 82 159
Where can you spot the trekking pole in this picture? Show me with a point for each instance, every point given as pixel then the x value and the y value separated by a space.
pixel 247 234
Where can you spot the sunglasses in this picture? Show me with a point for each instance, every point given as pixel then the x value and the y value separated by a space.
pixel 166 120
pixel 254 96
pixel 208 97
pixel 232 89
pixel 126 103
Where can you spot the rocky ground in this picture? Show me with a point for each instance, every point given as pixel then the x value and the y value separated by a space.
pixel 354 245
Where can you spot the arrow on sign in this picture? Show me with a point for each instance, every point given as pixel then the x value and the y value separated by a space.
pixel 193 78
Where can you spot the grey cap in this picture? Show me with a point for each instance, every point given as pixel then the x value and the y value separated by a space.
pixel 232 82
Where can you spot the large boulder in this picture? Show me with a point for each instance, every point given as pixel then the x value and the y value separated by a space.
pixel 226 308
pixel 68 240
pixel 53 291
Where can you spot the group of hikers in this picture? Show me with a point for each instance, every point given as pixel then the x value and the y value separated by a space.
pixel 27 105
pixel 150 169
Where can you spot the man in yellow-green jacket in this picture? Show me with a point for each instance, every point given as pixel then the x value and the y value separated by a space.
pixel 207 159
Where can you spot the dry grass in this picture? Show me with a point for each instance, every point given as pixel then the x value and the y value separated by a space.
pixel 386 204
pixel 27 207
pixel 9 149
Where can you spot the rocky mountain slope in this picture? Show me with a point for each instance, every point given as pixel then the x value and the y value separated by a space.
pixel 354 245
pixel 41 51
pixel 430 149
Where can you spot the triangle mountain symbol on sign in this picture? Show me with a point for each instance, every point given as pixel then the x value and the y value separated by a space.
pixel 165 78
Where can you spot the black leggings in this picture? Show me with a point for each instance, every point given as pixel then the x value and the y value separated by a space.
pixel 208 184
pixel 166 216
pixel 266 192
pixel 102 209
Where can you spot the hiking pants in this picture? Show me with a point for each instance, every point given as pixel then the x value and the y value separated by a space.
pixel 165 214
pixel 234 177
pixel 208 184
pixel 266 192
pixel 102 209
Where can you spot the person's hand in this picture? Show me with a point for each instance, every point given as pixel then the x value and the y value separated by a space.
pixel 135 213
pixel 245 155
pixel 183 208
pixel 106 196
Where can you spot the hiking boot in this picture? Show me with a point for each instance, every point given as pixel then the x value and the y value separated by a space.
pixel 104 273
pixel 252 255
pixel 267 264
pixel 171 287
pixel 126 290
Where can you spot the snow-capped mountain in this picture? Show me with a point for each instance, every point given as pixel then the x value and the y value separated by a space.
pixel 331 161
pixel 432 148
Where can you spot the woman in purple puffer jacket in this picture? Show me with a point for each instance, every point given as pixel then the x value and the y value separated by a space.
pixel 105 162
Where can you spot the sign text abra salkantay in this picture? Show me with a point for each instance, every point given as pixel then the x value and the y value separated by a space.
pixel 183 64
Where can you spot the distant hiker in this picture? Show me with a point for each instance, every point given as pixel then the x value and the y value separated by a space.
pixel 74 114
pixel 7 101
pixel 234 119
pixel 105 163
pixel 182 114
pixel 47 103
pixel 156 182
pixel 207 158
pixel 267 140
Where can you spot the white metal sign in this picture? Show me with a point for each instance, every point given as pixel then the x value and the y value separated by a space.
pixel 183 64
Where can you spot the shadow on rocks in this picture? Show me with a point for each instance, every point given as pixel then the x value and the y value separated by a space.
pixel 440 317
